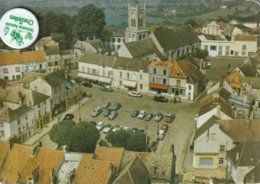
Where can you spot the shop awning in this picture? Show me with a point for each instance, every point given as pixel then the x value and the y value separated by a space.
pixel 131 84
pixel 95 78
pixel 158 86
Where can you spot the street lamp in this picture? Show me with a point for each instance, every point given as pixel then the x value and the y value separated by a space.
pixel 79 113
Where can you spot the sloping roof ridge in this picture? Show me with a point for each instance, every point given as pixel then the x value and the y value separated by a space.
pixel 242 151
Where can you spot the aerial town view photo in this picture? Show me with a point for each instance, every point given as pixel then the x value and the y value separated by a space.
pixel 129 91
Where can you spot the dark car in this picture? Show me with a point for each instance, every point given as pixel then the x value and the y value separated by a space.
pixel 169 117
pixel 106 112
pixel 106 88
pixel 86 94
pixel 148 117
pixel 115 106
pixel 160 99
pixel 135 113
pixel 68 117
pixel 158 117
pixel 87 84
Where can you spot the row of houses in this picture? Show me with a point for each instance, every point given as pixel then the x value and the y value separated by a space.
pixel 26 164
pixel 228 125
pixel 173 78
pixel 27 107
pixel 223 39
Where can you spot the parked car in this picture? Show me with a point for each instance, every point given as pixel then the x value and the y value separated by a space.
pixel 112 115
pixel 107 88
pixel 106 105
pixel 148 116
pixel 106 112
pixel 68 117
pixel 126 128
pixel 107 128
pixel 169 117
pixel 135 113
pixel 116 128
pixel 86 94
pixel 87 84
pixel 135 94
pixel 115 106
pixel 100 125
pixel 96 111
pixel 158 117
pixel 142 114
pixel 162 131
pixel 160 99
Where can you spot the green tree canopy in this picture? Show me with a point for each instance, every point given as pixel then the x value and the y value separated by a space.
pixel 84 138
pixel 133 141
pixel 200 53
pixel 81 137
pixel 90 21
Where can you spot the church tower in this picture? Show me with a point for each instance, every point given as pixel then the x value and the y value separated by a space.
pixel 136 29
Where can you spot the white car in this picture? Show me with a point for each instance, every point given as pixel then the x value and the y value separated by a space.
pixel 126 128
pixel 135 94
pixel 96 112
pixel 107 129
pixel 100 125
pixel 142 114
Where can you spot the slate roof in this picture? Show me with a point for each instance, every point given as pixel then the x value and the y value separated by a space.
pixel 56 78
pixel 212 103
pixel 8 115
pixel 15 94
pixel 191 71
pixel 254 81
pixel 134 172
pixel 241 129
pixel 248 69
pixel 245 154
pixel 22 57
pixel 142 48
pixel 253 176
pixel 172 39
pixel 211 121
pixel 97 59
pixel 131 64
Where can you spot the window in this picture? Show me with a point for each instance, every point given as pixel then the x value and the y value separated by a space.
pixel 141 77
pixel 17 69
pixel 164 81
pixel 222 148
pixel 2 133
pixel 189 87
pixel 231 52
pixel 213 47
pixel 93 71
pixel 5 70
pixel 206 161
pixel 221 161
pixel 120 74
pixel 19 130
pixel 164 72
pixel 127 75
pixel 154 71
pixel 141 86
pixel 220 50
pixel 26 116
pixel 153 79
pixel 18 121
pixel 213 136
pixel 227 50
pixel 178 84
pixel 244 47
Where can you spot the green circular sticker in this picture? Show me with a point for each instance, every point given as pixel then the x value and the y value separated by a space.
pixel 19 28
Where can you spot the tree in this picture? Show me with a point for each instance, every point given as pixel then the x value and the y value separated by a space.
pixel 118 138
pixel 80 137
pixel 137 141
pixel 61 132
pixel 200 53
pixel 191 22
pixel 90 21
pixel 132 141
pixel 84 138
